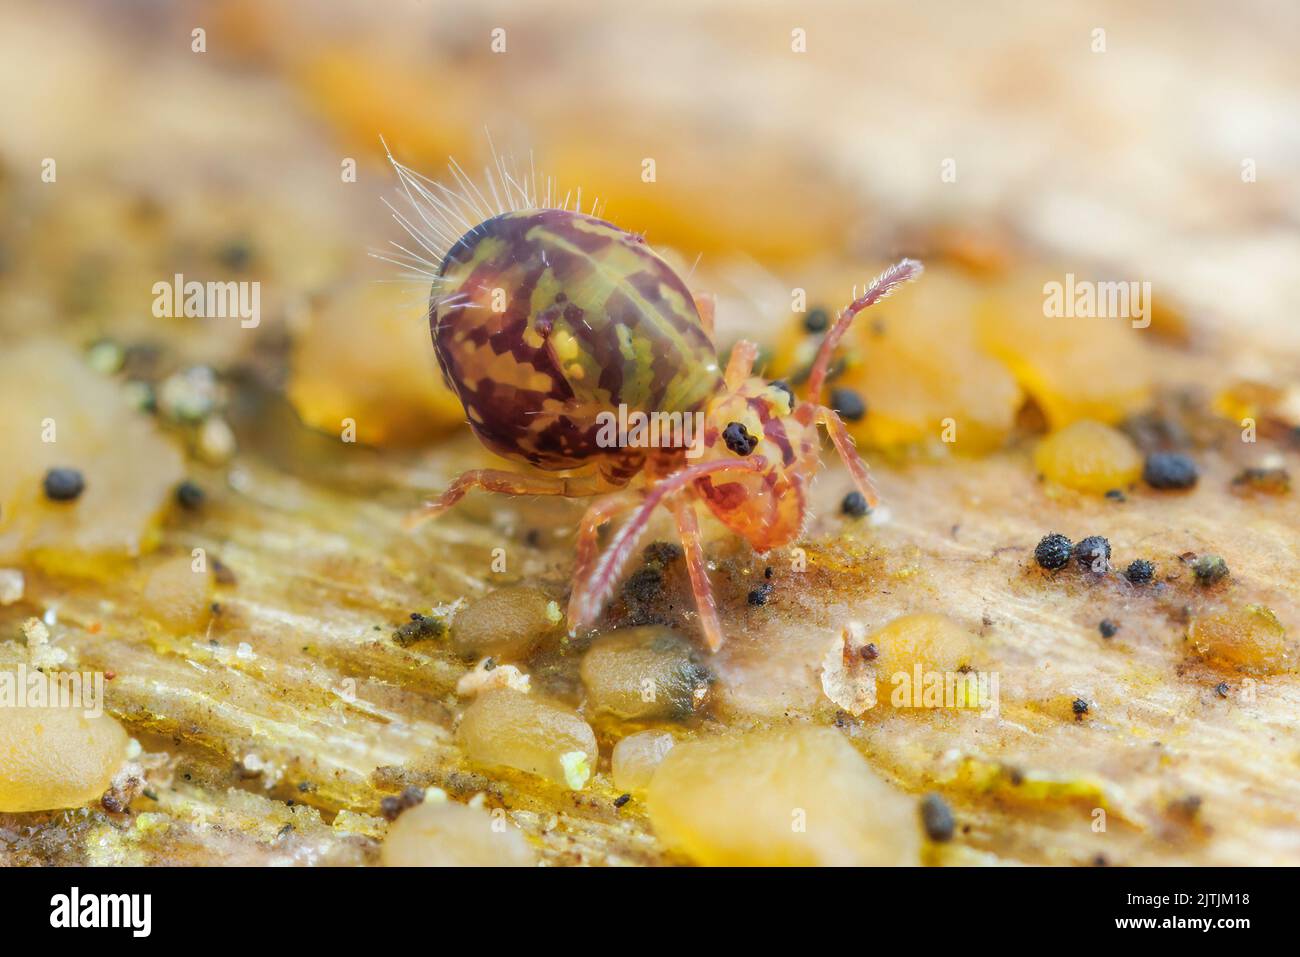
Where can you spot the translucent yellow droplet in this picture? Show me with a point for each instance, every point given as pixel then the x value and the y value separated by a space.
pixel 1088 456
pixel 54 758
pixel 795 796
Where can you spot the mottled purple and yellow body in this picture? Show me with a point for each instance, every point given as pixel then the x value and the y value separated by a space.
pixel 546 322
pixel 546 318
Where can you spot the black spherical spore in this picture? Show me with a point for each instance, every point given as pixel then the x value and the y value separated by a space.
pixel 1053 551
pixel 937 818
pixel 855 505
pixel 1093 553
pixel 1140 571
pixel 1169 470
pixel 848 403
pixel 817 320
pixel 64 485
pixel 189 496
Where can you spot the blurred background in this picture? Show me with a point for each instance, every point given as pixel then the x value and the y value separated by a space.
pixel 1111 137
pixel 795 148
pixel 777 153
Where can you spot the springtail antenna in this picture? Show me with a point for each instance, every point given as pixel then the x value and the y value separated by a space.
pixel 905 270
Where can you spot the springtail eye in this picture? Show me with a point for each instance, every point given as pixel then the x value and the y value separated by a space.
pixel 738 438
pixel 783 386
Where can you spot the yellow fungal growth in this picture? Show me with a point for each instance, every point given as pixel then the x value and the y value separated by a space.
pixel 445 834
pixel 1246 638
pixel 1074 366
pixel 363 369
pixel 975 775
pixel 693 209
pixel 925 377
pixel 59 414
pixel 507 728
pixel 358 91
pixel 1260 403
pixel 798 796
pixel 53 758
pixel 1088 456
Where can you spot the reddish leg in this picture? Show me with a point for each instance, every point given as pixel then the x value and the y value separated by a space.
pixel 741 364
pixel 843 443
pixel 507 483
pixel 689 530
pixel 591 592
pixel 905 270
pixel 600 512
